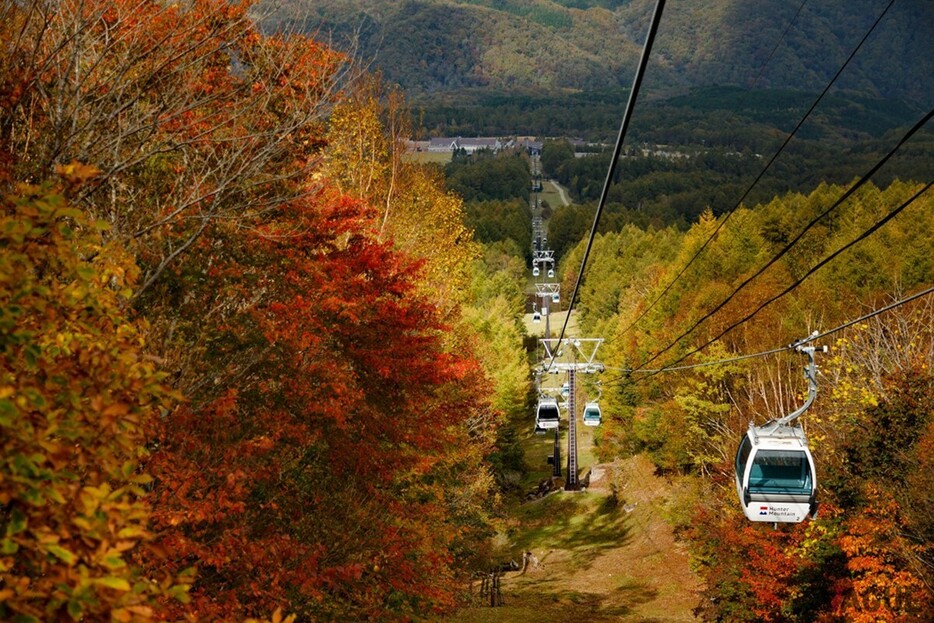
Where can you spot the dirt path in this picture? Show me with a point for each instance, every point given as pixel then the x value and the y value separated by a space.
pixel 598 562
pixel 561 192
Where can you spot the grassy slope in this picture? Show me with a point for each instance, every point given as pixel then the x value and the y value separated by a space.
pixel 600 561
pixel 551 195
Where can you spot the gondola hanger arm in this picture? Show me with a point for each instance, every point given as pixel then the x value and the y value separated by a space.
pixel 810 373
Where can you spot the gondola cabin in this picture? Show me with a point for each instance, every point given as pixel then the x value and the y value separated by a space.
pixel 536 316
pixel 775 477
pixel 536 272
pixel 592 415
pixel 551 273
pixel 547 415
pixel 555 298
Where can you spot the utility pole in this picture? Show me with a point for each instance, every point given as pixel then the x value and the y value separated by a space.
pixel 547 292
pixel 556 454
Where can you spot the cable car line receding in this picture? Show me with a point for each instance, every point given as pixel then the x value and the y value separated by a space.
pixel 768 165
pixel 775 474
pixel 846 195
pixel 572 483
pixel 617 150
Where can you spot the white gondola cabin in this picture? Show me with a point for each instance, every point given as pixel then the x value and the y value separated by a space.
pixel 536 316
pixel 775 477
pixel 547 415
pixel 592 414
pixel 776 480
pixel 551 273
pixel 555 298
pixel 536 272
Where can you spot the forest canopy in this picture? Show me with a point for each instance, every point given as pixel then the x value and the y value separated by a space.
pixel 258 364
pixel 241 374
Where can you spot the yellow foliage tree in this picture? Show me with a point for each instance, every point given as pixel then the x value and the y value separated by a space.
pixel 365 159
pixel 76 393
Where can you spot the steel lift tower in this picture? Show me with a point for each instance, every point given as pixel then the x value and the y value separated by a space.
pixel 571 355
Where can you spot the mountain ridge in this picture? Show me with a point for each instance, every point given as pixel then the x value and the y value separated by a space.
pixel 437 46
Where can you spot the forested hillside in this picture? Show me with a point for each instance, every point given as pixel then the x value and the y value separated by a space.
pixel 660 189
pixel 251 361
pixel 726 297
pixel 436 46
pixel 718 116
pixel 259 364
pixel 869 552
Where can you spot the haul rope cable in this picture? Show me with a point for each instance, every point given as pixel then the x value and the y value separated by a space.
pixel 624 125
pixel 765 353
pixel 759 176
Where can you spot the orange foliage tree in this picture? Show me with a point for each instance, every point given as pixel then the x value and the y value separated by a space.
pixel 325 458
pixel 325 476
pixel 192 116
pixel 882 585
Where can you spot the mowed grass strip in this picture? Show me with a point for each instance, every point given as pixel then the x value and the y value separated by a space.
pixel 566 532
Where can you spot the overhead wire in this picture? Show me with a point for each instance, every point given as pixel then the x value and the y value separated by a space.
pixel 872 314
pixel 762 173
pixel 846 195
pixel 779 42
pixel 624 125
pixel 780 349
pixel 610 173
pixel 872 229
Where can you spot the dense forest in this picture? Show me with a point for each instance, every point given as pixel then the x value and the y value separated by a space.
pixel 257 363
pixel 676 187
pixel 445 47
pixel 649 289
pixel 868 555
pixel 710 116
pixel 253 364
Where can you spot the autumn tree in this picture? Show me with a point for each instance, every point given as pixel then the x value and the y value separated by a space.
pixel 366 159
pixel 334 468
pixel 867 433
pixel 328 449
pixel 77 399
pixel 192 117
pixel 882 584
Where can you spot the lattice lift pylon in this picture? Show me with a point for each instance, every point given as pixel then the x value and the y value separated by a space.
pixel 571 355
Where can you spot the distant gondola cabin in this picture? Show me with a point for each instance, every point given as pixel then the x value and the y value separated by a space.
pixel 547 414
pixel 592 414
